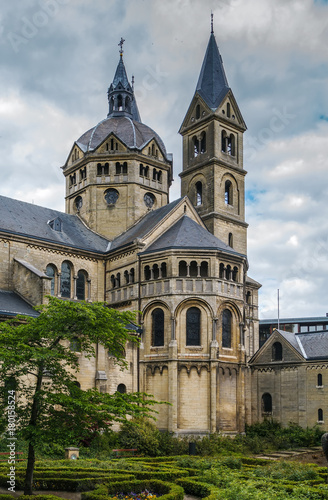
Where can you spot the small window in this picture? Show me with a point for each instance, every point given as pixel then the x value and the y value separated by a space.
pixel 182 268
pixel 155 272
pixel 320 415
pixel 121 388
pixel 199 193
pixel 193 326
pixel 99 169
pixel 157 327
pixel 228 110
pixel 228 192
pixel 277 351
pixel 126 277
pixel 112 144
pixel 197 111
pixel 204 269
pixel 319 380
pixel 226 328
pixel 149 200
pixel 78 203
pixel 125 168
pixel 266 403
pixel 147 273
pixel 75 345
pixel 195 143
pixel 203 143
pixel 132 275
pixel 235 274
pixel 163 270
pixel 118 280
pixel 106 169
pixel 230 240
pixel 117 168
pixel 193 269
pixel 221 271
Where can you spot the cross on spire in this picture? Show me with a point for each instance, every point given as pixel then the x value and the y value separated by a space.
pixel 120 44
pixel 212 30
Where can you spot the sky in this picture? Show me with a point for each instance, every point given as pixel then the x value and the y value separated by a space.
pixel 58 58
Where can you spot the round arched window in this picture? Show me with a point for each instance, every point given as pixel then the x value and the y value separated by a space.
pixel 78 202
pixel 111 196
pixel 149 200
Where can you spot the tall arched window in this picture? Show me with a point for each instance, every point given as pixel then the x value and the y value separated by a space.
pixel 80 285
pixel 193 326
pixel 199 193
pixel 157 327
pixel 197 111
pixel 147 273
pixel 65 280
pixel 224 141
pixel 155 272
pixel 320 415
pixel 228 110
pixel 132 275
pixel 319 380
pixel 230 240
pixel 221 271
pixel 195 144
pixel 228 193
pixel 277 352
pixel 203 143
pixel 266 403
pixel 193 269
pixel 51 272
pixel 204 269
pixel 163 270
pixel 226 328
pixel 126 277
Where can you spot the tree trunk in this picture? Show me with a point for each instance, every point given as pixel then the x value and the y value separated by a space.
pixel 29 470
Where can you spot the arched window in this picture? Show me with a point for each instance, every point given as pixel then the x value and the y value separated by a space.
pixel 193 269
pixel 112 144
pixel 112 280
pixel 125 168
pixel 224 141
pixel 248 297
pixel 80 285
pixel 199 193
pixel 221 271
pixel 182 268
pixel 147 273
pixel 51 272
pixel 163 270
pixel 106 169
pixel 228 110
pixel 235 274
pixel 126 277
pixel 197 111
pixel 230 240
pixel 127 104
pixel 121 388
pixel 277 352
pixel 118 280
pixel 118 168
pixel 266 403
pixel 231 145
pixel 153 149
pixel 228 193
pixel 228 272
pixel 226 328
pixel 120 102
pixel 99 169
pixel 132 275
pixel 203 143
pixel 147 171
pixel 320 415
pixel 159 176
pixel 204 269
pixel 195 143
pixel 155 272
pixel 141 170
pixel 193 326
pixel 157 327
pixel 319 380
pixel 65 280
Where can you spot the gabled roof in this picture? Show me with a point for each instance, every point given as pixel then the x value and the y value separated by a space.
pixel 186 233
pixel 143 226
pixel 26 219
pixel 212 83
pixel 12 304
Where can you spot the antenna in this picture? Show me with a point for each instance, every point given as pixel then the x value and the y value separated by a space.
pixel 278 308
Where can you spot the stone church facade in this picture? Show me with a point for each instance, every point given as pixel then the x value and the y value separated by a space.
pixel 181 264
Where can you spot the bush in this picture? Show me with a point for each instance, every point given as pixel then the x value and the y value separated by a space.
pixel 140 434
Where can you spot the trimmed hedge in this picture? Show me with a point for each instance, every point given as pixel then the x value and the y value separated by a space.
pixel 167 491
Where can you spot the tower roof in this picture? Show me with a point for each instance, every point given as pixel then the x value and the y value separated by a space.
pixel 212 83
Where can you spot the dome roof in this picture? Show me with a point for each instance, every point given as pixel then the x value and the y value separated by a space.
pixel 135 135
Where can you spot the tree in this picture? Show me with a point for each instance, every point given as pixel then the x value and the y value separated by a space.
pixel 39 367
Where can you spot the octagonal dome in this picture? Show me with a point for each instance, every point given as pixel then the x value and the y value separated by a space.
pixel 135 135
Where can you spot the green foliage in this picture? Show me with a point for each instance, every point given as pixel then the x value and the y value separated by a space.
pixel 142 435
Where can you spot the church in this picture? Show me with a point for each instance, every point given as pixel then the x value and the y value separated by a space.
pixel 182 264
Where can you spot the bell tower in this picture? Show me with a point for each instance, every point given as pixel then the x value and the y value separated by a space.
pixel 213 176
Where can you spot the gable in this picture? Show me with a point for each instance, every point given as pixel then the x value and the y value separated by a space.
pixel 153 149
pixel 229 111
pixel 111 144
pixel 266 354
pixel 197 110
pixel 76 153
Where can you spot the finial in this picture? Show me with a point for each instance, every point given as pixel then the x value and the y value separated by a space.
pixel 212 30
pixel 121 45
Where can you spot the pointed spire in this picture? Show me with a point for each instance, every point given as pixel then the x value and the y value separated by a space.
pixel 121 97
pixel 212 83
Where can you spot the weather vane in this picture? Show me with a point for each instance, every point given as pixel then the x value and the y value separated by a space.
pixel 121 45
pixel 212 31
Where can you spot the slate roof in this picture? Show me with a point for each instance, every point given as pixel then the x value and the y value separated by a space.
pixel 315 345
pixel 12 304
pixel 26 219
pixel 212 84
pixel 133 134
pixel 186 233
pixel 292 339
pixel 141 228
